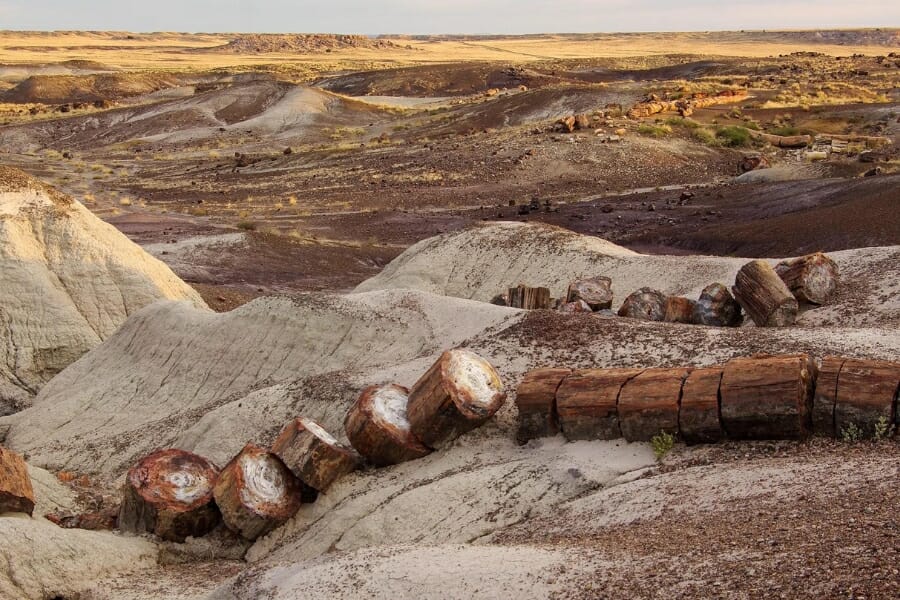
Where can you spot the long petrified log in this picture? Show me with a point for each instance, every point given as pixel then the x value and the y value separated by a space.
pixel 765 297
pixel 586 403
pixel 16 492
pixel 679 310
pixel 698 419
pixel 646 304
pixel 866 393
pixel 811 278
pixel 595 291
pixel 536 401
pixel 170 493
pixel 717 307
pixel 684 106
pixel 768 397
pixel 458 393
pixel 378 428
pixel 256 493
pixel 825 396
pixel 312 454
pixel 648 403
pixel 529 298
pixel 781 141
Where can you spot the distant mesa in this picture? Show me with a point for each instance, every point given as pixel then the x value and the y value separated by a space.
pixel 305 43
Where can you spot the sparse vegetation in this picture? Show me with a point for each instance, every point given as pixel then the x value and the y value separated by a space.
pixel 851 433
pixel 734 136
pixel 883 428
pixel 246 225
pixel 662 444
pixel 656 131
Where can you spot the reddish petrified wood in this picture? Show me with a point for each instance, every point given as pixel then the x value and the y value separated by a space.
pixel 716 307
pixel 536 401
pixel 648 403
pixel 765 297
pixel 768 397
pixel 811 278
pixel 679 310
pixel 312 454
pixel 378 428
pixel 170 493
pixel 102 520
pixel 825 396
pixel 866 393
pixel 529 298
pixel 578 306
pixel 586 403
pixel 16 493
pixel 646 304
pixel 595 291
pixel 698 419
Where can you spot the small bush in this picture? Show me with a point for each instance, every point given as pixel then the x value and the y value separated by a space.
pixel 655 130
pixel 851 433
pixel 734 136
pixel 662 444
pixel 247 225
pixel 883 428
pixel 704 136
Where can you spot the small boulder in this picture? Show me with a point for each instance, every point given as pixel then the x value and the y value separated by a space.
pixel 645 304
pixel 596 292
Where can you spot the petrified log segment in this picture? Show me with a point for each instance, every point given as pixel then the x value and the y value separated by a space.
pixel 717 307
pixel 811 278
pixel 768 397
pixel 782 141
pixel 825 396
pixel 529 298
pixel 578 306
pixel 170 493
pixel 586 403
pixel 536 401
pixel 595 291
pixel 648 403
pixel 765 297
pixel 866 392
pixel 16 493
pixel 256 492
pixel 103 520
pixel 679 310
pixel 377 426
pixel 458 393
pixel 312 454
pixel 646 304
pixel 698 419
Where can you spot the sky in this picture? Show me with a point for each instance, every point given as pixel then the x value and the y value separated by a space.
pixel 444 16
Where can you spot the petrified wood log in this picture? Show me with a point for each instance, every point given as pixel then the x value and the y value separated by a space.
pixel 102 520
pixel 457 394
pixel 536 401
pixel 825 396
pixel 170 493
pixel 586 403
pixel 500 300
pixel 256 493
pixel 765 297
pixel 529 298
pixel 646 304
pixel 648 403
pixel 16 493
pixel 595 291
pixel 866 393
pixel 698 418
pixel 312 454
pixel 811 278
pixel 768 397
pixel 782 141
pixel 578 306
pixel 378 428
pixel 679 310
pixel 717 307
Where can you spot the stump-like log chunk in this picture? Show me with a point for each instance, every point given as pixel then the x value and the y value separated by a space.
pixel 256 493
pixel 768 397
pixel 16 493
pixel 648 404
pixel 536 401
pixel 102 520
pixel 500 300
pixel 765 297
pixel 378 428
pixel 811 278
pixel 825 396
pixel 698 419
pixel 595 291
pixel 646 304
pixel 170 493
pixel 586 403
pixel 866 393
pixel 578 306
pixel 457 394
pixel 679 310
pixel 716 307
pixel 312 454
pixel 529 298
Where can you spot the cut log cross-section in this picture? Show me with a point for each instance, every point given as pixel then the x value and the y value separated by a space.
pixel 648 404
pixel 529 298
pixel 586 403
pixel 256 493
pixel 170 493
pixel 866 394
pixel 595 291
pixel 716 307
pixel 698 419
pixel 765 297
pixel 16 492
pixel 457 394
pixel 378 428
pixel 811 278
pixel 536 401
pixel 646 304
pixel 312 454
pixel 768 397
pixel 825 396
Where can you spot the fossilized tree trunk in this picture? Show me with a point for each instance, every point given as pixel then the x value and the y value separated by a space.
pixel 698 419
pixel 765 297
pixel 586 403
pixel 648 403
pixel 312 454
pixel 536 401
pixel 16 493
pixel 811 278
pixel 378 428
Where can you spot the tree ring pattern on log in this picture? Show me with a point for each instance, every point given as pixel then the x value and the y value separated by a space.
pixel 266 483
pixel 180 480
pixel 473 384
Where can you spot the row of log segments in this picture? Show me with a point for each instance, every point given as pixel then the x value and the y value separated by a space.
pixel 856 393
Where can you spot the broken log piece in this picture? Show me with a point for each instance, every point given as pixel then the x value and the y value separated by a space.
pixel 536 401
pixel 648 404
pixel 500 300
pixel 782 141
pixel 256 493
pixel 16 492
pixel 458 393
pixel 378 429
pixel 646 304
pixel 811 278
pixel 586 403
pixel 768 397
pixel 698 419
pixel 825 396
pixel 866 394
pixel 765 297
pixel 312 454
pixel 103 520
pixel 595 291
pixel 716 307
pixel 170 493
pixel 578 306
pixel 679 310
pixel 529 298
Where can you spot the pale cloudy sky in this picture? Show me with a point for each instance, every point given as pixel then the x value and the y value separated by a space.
pixel 445 16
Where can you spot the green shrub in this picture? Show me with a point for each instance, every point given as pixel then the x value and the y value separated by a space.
pixel 883 428
pixel 734 136
pixel 704 136
pixel 662 444
pixel 851 433
pixel 655 130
